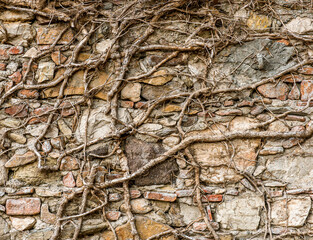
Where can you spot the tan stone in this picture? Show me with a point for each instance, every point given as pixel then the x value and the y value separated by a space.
pixel 259 22
pixel 14 16
pixel 21 159
pixel 171 108
pixel 19 138
pixel 22 224
pixel 46 216
pixel 158 78
pixel 75 85
pixel 48 34
pixel 131 91
pixel 145 227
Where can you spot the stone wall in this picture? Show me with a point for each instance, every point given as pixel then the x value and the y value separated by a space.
pixel 156 120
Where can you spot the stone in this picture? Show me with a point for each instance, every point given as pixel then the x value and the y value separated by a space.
pixel 292 78
pixel 171 108
pixel 140 205
pixel 31 53
pixel 293 213
pixel 278 126
pixel 69 180
pixel 21 159
pixel 201 226
pixel 15 16
pixel 18 110
pixel 22 224
pixel 271 151
pixel 158 78
pixel 4 227
pixel 113 215
pixel 240 213
pixel 295 118
pixel 145 227
pixel 48 34
pixel 229 112
pixel 131 91
pixel 16 77
pixel 45 71
pixel 104 45
pixel 66 130
pixel 294 93
pixel 259 22
pixel 46 216
pixel 75 85
pixel 19 32
pixel 270 90
pixel 16 50
pixel 189 213
pixel 3 170
pixel 28 94
pixel 139 153
pixel 161 196
pixel 150 92
pixel 306 89
pixel 257 110
pixel 134 193
pixel 115 197
pixel 10 122
pixel 184 193
pixel 308 70
pixel 69 163
pixel 24 191
pixel 300 25
pixel 58 58
pixel 46 146
pixel 23 206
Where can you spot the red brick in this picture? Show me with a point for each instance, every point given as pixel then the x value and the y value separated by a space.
pixel 284 41
pixel 161 196
pixel 69 180
pixel 306 90
pixel 295 118
pixel 270 90
pixel 134 193
pixel 69 163
pixel 19 110
pixel 215 198
pixel 3 66
pixel 16 50
pixel 23 206
pixel 28 190
pixel 291 78
pixel 209 212
pixel 25 93
pixel 306 70
pixel 113 215
pixel 141 105
pixel 115 197
pixel 16 77
pixel 127 104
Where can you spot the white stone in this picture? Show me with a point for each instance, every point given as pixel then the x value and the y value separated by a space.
pixel 292 214
pixel 171 141
pixel 189 213
pixel 241 213
pixel 22 224
pixel 300 25
pixel 4 228
pixel 131 91
pixel 3 170
pixel 32 52
pixel 45 71
pixel 66 130
pixel 103 46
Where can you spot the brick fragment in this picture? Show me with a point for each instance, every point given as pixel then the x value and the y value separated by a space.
pixel 26 94
pixel 16 50
pixel 134 193
pixel 306 89
pixel 209 212
pixel 23 206
pixel 69 180
pixel 161 196
pixel 294 94
pixel 113 215
pixel 3 66
pixel 4 53
pixel 69 163
pixel 308 70
pixel 16 77
pixel 292 78
pixel 19 110
pixel 228 103
pixel 271 90
pixel 127 104
pixel 276 193
pixel 295 118
pixel 24 191
pixel 201 226
pixel 141 105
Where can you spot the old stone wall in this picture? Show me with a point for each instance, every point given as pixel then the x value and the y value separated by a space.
pixel 156 119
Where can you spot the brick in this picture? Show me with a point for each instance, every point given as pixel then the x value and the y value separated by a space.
pixel 161 196
pixel 246 103
pixel 308 70
pixel 42 110
pixel 209 212
pixel 24 191
pixel 26 94
pixel 16 77
pixel 69 180
pixel 215 198
pixel 271 90
pixel 16 50
pixel 115 197
pixel 127 104
pixel 185 193
pixel 134 193
pixel 306 89
pixel 141 105
pixel 4 53
pixel 284 41
pixel 23 206
pixel 36 120
pixel 295 118
pixel 19 110
pixel 21 159
pixel 113 215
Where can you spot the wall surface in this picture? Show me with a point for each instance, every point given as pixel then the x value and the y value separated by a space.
pixel 156 119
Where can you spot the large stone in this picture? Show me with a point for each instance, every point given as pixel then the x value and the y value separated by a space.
pixel 45 71
pixel 259 22
pixel 22 224
pixel 217 155
pixel 270 90
pixel 139 205
pixel 150 92
pixel 158 78
pixel 241 213
pixel 14 16
pixel 48 34
pixel 140 153
pixel 300 25
pixel 4 227
pixel 145 227
pixel 75 85
pixel 21 159
pixel 104 45
pixel 46 216
pixel 291 214
pixel 23 206
pixel 19 32
pixel 189 213
pixel 131 91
